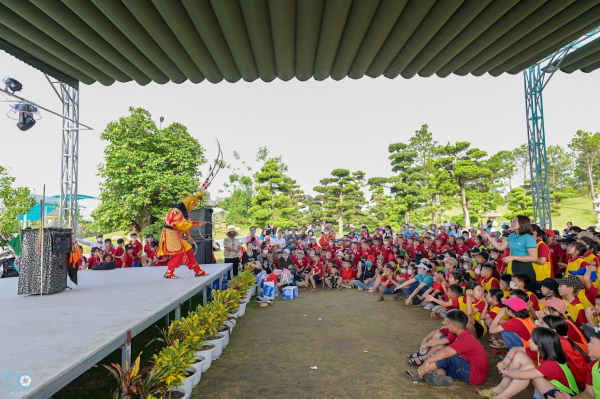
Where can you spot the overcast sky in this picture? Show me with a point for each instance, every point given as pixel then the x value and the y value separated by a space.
pixel 315 126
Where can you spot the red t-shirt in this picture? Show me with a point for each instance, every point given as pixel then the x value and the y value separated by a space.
pixel 578 318
pixel 118 252
pixel 137 248
pixel 575 361
pixel 317 269
pixel 302 263
pixel 357 254
pixel 386 281
pixel 517 326
pixel 438 287
pixel 148 249
pixel 347 274
pixel 461 249
pixel 93 261
pixel 590 369
pixel 467 347
pixel 556 252
pixel 451 337
pixel 161 260
pixel 470 242
pixel 534 300
pixel 127 260
pixel 552 371
pixel 386 251
pixel 444 237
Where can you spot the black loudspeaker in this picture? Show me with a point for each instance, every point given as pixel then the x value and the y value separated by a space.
pixel 204 252
pixel 203 232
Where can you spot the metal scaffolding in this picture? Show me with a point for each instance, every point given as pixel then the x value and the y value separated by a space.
pixel 69 170
pixel 536 78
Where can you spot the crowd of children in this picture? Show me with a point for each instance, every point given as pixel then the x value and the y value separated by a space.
pixel 132 254
pixel 545 329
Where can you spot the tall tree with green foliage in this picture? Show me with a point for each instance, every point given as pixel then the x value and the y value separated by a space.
pixel 299 214
pixel 146 171
pixel 519 203
pixel 467 169
pixel 586 147
pixel 14 201
pixel 503 167
pixel 342 197
pixel 272 204
pixel 520 157
pixel 239 191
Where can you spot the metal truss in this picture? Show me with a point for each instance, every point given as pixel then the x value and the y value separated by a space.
pixel 536 77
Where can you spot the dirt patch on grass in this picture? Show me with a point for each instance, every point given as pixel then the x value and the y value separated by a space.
pixel 359 349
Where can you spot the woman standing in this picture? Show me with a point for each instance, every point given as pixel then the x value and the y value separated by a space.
pixel 232 249
pixel 522 246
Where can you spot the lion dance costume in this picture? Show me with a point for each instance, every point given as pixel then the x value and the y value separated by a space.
pixel 177 223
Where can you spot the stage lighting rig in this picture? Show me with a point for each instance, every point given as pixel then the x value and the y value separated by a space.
pixel 12 85
pixel 26 113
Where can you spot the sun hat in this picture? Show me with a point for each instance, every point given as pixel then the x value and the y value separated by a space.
pixel 133 233
pixel 557 304
pixel 516 304
pixel 451 261
pixel 571 281
pixel 232 229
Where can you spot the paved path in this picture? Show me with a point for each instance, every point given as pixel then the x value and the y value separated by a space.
pixel 359 349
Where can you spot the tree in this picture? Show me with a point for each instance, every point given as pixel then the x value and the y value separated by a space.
pixel 342 197
pixel 503 167
pixel 519 203
pixel 297 196
pixel 520 157
pixel 466 168
pixel 272 203
pixel 146 171
pixel 14 201
pixel 586 147
pixel 240 190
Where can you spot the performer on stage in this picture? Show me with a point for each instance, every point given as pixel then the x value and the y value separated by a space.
pixel 177 223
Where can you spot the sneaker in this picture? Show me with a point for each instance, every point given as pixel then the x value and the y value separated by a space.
pixel 339 288
pixel 327 288
pixel 443 313
pixel 350 286
pixel 429 306
pixel 360 289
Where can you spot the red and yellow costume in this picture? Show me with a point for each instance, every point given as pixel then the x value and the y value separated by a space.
pixel 177 224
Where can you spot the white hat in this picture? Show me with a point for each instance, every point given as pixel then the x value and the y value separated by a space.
pixel 286 250
pixel 422 266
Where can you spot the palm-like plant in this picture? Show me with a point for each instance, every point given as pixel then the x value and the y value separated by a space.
pixel 133 383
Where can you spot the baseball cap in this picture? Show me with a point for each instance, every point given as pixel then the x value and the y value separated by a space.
pixel 551 284
pixel 451 261
pixel 571 281
pixel 516 304
pixel 371 258
pixel 582 271
pixel 550 233
pixel 128 246
pixel 592 332
pixel 557 304
pixel 592 228
pixel 484 255
pixel 380 257
pixel 286 250
pixel 567 240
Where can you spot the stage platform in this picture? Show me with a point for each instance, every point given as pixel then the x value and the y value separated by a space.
pixel 51 340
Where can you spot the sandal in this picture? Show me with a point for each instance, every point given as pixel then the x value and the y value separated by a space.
pixel 438 380
pixel 380 298
pixel 313 290
pixel 413 375
pixel 487 393
pixel 416 361
pixel 498 345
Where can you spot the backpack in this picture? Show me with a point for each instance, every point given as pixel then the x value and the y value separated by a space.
pixel 7 268
pixel 104 266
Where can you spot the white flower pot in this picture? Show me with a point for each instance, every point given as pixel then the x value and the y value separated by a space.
pixel 198 366
pixel 186 393
pixel 230 324
pixel 208 356
pixel 241 309
pixel 253 288
pixel 188 383
pixel 225 335
pixel 218 343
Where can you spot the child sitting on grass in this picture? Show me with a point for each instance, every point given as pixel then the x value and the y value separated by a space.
pixel 494 300
pixel 464 359
pixel 315 275
pixel 347 274
pixel 515 332
pixel 333 279
pixel 521 367
pixel 388 282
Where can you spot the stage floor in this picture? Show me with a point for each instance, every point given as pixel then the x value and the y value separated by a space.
pixel 55 338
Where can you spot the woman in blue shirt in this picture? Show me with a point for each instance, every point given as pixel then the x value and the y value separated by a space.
pixel 522 246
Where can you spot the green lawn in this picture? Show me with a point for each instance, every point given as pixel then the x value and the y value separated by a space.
pixel 577 210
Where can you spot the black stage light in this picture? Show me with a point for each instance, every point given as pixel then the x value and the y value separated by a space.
pixel 26 121
pixel 12 85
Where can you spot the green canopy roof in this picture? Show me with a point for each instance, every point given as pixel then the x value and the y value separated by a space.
pixel 179 40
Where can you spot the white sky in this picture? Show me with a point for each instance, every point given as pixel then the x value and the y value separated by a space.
pixel 316 126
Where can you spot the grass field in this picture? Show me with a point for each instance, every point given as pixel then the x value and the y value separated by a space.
pixel 577 210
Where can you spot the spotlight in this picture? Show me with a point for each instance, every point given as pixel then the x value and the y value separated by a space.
pixel 12 85
pixel 25 113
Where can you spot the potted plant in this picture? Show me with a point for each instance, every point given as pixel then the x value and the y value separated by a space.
pixel 133 383
pixel 204 350
pixel 174 362
pixel 194 340
pixel 212 318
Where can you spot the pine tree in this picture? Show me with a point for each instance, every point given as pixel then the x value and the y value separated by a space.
pixel 342 198
pixel 519 203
